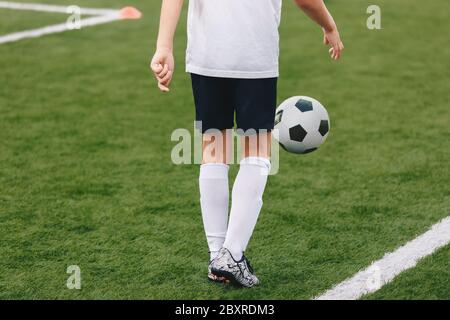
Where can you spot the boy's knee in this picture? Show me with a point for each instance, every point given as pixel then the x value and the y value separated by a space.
pixel 216 147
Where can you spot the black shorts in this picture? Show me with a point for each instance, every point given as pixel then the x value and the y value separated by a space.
pixel 219 100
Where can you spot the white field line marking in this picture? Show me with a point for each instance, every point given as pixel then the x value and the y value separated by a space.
pixel 53 8
pixel 384 270
pixel 57 28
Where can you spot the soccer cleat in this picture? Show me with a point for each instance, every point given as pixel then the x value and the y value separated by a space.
pixel 237 272
pixel 212 277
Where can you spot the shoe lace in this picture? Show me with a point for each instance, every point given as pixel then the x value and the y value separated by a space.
pixel 250 268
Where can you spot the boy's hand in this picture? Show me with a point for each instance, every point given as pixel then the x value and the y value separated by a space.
pixel 162 66
pixel 333 39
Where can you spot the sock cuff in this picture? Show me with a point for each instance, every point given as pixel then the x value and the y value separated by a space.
pixel 264 163
pixel 214 171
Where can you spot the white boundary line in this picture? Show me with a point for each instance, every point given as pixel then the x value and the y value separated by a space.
pixel 57 28
pixel 101 16
pixel 53 8
pixel 392 264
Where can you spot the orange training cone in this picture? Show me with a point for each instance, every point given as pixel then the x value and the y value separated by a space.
pixel 130 13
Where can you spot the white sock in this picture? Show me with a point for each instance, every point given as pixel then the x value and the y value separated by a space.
pixel 214 198
pixel 246 203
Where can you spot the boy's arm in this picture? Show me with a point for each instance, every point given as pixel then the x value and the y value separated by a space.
pixel 163 62
pixel 317 11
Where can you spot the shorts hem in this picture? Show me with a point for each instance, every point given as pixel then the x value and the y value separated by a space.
pixel 239 131
pixel 232 74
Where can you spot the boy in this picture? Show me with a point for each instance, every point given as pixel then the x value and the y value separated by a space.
pixel 232 56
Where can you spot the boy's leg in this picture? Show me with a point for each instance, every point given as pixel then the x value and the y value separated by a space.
pixel 246 204
pixel 214 188
pixel 247 192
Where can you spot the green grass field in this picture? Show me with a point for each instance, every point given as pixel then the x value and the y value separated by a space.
pixel 86 176
pixel 15 20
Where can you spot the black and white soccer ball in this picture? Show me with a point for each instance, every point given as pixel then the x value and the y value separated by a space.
pixel 302 124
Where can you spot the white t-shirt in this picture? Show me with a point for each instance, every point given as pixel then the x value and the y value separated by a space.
pixel 233 38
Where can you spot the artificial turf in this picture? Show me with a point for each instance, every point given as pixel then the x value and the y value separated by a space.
pixel 86 176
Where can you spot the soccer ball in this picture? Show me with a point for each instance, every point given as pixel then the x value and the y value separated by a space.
pixel 302 124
